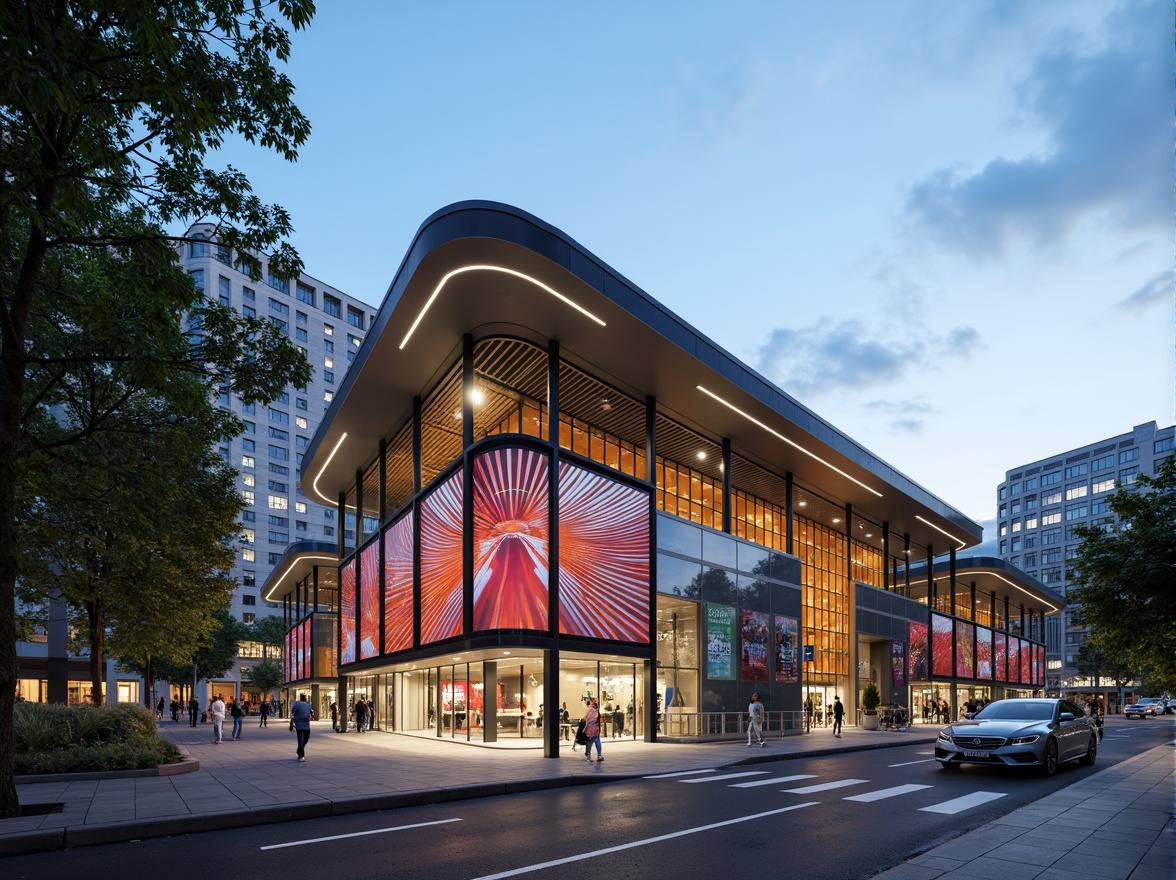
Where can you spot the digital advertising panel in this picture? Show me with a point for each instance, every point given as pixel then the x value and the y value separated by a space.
pixel 984 653
pixel 1040 678
pixel 304 649
pixel 441 561
pixel 1026 663
pixel 511 513
pixel 965 649
pixel 720 642
pixel 1000 654
pixel 288 656
pixel 898 664
pixel 603 557
pixel 942 649
pixel 398 585
pixel 753 633
pixel 1014 676
pixel 369 601
pixel 347 613
pixel 786 667
pixel 918 652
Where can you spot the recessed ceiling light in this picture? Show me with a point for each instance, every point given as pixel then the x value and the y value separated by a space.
pixel 701 455
pixel 836 520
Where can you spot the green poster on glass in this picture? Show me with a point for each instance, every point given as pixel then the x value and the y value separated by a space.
pixel 720 642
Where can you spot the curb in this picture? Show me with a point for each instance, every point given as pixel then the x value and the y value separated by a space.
pixel 188 765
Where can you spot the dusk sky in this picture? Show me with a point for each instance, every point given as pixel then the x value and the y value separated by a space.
pixel 944 227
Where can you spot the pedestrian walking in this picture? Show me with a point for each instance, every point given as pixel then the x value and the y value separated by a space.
pixel 618 721
pixel 360 715
pixel 838 716
pixel 592 731
pixel 565 724
pixel 755 718
pixel 159 710
pixel 300 715
pixel 238 712
pixel 334 715
pixel 371 715
pixel 193 710
pixel 216 712
pixel 263 711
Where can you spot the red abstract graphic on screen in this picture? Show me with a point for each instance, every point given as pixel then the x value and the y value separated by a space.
pixel 983 652
pixel 965 649
pixel 369 601
pixel 1000 652
pixel 942 648
pixel 441 564
pixel 398 585
pixel 1014 660
pixel 603 557
pixel 510 540
pixel 918 652
pixel 347 612
pixel 1026 663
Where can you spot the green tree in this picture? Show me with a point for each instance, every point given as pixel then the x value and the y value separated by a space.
pixel 1098 665
pixel 267 675
pixel 212 657
pixel 1125 576
pixel 107 112
pixel 270 633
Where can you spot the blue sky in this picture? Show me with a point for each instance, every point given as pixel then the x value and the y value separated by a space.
pixel 945 227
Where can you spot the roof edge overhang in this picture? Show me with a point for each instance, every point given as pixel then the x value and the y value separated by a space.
pixel 296 563
pixel 997 575
pixel 642 343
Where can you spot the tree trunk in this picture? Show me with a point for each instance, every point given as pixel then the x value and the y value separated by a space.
pixel 94 616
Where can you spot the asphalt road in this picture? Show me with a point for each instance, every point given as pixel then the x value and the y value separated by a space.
pixel 832 818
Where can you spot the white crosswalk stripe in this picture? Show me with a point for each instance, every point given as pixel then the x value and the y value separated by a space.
pixel 774 780
pixel 727 776
pixel 679 773
pixel 884 793
pixel 958 805
pixel 825 786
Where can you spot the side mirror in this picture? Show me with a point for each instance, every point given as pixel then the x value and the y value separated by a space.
pixel 1066 716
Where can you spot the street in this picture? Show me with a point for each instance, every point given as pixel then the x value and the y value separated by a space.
pixel 836 817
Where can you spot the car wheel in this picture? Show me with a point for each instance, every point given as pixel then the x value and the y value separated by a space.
pixel 1091 752
pixel 1049 761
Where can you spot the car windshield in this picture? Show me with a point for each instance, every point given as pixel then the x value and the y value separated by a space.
pixel 1017 710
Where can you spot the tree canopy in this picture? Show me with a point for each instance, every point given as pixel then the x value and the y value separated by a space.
pixel 107 113
pixel 1126 571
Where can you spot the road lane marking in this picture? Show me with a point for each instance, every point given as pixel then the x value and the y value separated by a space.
pixel 773 780
pixel 679 773
pixel 908 763
pixel 624 846
pixel 727 776
pixel 824 786
pixel 958 805
pixel 883 793
pixel 358 834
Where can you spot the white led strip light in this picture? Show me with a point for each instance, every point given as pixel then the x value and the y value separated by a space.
pixel 928 522
pixel 441 284
pixel 1019 589
pixel 792 443
pixel 314 485
pixel 294 562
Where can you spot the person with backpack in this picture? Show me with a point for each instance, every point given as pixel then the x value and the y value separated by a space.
pixel 592 731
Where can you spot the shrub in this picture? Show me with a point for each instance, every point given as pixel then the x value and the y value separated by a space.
pixel 870 698
pixel 73 739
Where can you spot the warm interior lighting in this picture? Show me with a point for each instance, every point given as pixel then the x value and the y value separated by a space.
pixel 701 455
pixel 441 285
pixel 780 436
pixel 273 589
pixel 326 463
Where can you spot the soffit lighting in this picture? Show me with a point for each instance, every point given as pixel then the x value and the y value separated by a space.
pixel 327 463
pixel 290 568
pixel 445 280
pixel 941 531
pixel 1015 586
pixel 780 436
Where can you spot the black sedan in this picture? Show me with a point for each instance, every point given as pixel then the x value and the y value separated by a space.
pixel 1020 732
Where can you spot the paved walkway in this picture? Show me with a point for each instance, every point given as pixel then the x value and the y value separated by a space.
pixel 257 780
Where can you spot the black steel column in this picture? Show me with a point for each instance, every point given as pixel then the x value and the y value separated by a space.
pixel 551 657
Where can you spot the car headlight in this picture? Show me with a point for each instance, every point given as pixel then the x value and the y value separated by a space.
pixel 1025 740
pixel 945 736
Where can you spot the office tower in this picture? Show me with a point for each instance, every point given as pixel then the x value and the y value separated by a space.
pixel 1041 503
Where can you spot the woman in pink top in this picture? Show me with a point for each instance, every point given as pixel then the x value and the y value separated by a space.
pixel 592 730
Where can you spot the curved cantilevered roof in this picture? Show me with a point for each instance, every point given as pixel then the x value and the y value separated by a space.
pixel 991 575
pixel 484 267
pixel 296 563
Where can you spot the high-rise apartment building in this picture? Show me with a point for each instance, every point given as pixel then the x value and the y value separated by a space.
pixel 329 326
pixel 1041 503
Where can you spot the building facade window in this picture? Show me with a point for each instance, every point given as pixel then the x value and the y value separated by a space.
pixel 332 306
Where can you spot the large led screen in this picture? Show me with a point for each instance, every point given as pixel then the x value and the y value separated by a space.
pixel 1039 680
pixel 753 653
pixel 288 657
pixel 786 667
pixel 1026 663
pixel 369 601
pixel 441 561
pixel 965 650
pixel 304 649
pixel 1000 653
pixel 603 557
pixel 1014 660
pixel 511 513
pixel 347 613
pixel 942 648
pixel 898 664
pixel 398 585
pixel 984 653
pixel 918 652
pixel 720 642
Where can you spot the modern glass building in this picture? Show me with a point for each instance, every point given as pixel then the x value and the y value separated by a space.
pixel 1039 506
pixel 558 489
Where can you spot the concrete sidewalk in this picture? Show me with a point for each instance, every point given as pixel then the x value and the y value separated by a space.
pixel 257 781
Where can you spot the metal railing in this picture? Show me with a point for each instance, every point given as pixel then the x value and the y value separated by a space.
pixel 728 725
